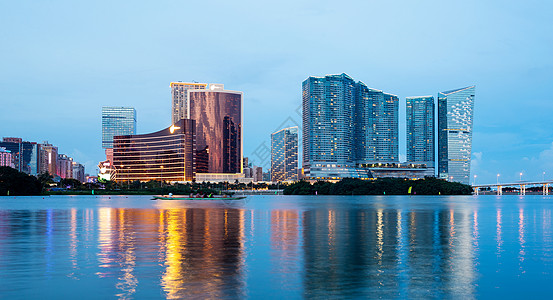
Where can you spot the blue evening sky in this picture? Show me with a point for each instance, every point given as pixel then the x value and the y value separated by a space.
pixel 61 61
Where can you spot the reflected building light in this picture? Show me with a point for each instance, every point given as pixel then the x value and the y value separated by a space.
pixel 475 234
pixel 126 245
pixel 105 242
pixel 172 280
pixel 73 241
pixel 499 231
pixel 402 251
pixel 331 226
pixel 462 264
pixel 379 235
pixel 521 236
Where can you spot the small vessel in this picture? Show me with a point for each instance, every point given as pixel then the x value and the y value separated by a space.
pixel 197 197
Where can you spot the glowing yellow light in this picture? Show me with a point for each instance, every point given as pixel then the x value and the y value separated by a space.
pixel 173 128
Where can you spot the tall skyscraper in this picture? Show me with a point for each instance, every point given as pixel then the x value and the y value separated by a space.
pixel 455 118
pixel 284 154
pixel 117 121
pixel 218 116
pixel 65 166
pixel 78 171
pixel 346 124
pixel 376 126
pixel 48 159
pixel 420 130
pixel 179 95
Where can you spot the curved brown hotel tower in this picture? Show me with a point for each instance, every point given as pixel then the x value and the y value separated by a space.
pixel 166 155
pixel 218 116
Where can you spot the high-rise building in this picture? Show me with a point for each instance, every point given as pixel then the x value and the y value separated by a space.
pixel 284 154
pixel 78 172
pixel 346 126
pixel 117 121
pixel 25 155
pixel 218 116
pixel 455 120
pixel 166 155
pixel 6 159
pixel 420 130
pixel 64 166
pixel 48 159
pixel 376 126
pixel 179 95
pixel 257 173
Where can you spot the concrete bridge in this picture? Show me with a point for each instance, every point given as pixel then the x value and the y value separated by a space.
pixel 523 185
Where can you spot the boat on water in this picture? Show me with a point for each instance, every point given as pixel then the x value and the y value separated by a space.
pixel 186 197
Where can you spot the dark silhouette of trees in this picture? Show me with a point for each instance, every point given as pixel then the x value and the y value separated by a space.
pixel 382 186
pixel 18 183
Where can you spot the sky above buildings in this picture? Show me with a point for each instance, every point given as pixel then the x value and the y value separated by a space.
pixel 61 61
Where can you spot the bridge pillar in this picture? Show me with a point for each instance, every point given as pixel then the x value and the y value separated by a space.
pixel 477 190
pixel 522 189
pixel 546 188
pixel 499 190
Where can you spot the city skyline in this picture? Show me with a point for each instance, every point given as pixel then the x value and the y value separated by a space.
pixel 53 86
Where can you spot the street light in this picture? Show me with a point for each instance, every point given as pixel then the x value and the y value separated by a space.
pixel 497 178
pixel 474 182
pixel 543 179
pixel 521 176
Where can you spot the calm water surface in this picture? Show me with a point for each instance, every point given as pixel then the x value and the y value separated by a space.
pixel 104 247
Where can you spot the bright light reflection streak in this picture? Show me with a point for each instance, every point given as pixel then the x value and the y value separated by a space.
pixel 73 242
pixel 379 235
pixel 172 280
pixel 499 231
pixel 402 256
pixel 521 237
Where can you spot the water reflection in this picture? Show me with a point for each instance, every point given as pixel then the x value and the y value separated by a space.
pixel 325 249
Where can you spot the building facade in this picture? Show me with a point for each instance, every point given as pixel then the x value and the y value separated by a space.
pixel 376 126
pixel 284 154
pixel 6 159
pixel 78 171
pixel 179 96
pixel 48 159
pixel 346 124
pixel 455 122
pixel 257 173
pixel 25 155
pixel 420 130
pixel 117 121
pixel 218 116
pixel 166 155
pixel 64 166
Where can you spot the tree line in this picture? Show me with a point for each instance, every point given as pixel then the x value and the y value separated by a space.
pixel 381 186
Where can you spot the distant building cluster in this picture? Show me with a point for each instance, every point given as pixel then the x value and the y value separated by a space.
pixel 35 159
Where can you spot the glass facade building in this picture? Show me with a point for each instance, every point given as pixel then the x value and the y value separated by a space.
pixel 376 126
pixel 25 155
pixel 166 155
pixel 420 130
pixel 179 96
pixel 346 124
pixel 455 120
pixel 218 116
pixel 284 154
pixel 117 121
